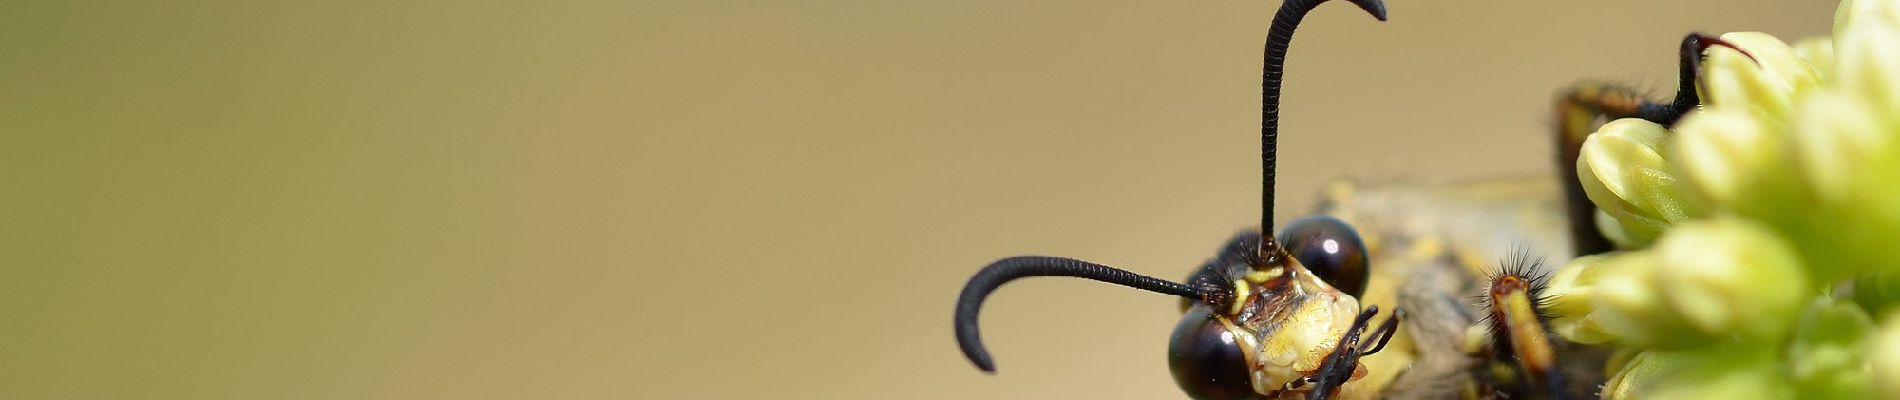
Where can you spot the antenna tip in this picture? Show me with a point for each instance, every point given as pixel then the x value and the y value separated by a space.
pixel 973 349
pixel 971 344
pixel 982 360
pixel 1375 7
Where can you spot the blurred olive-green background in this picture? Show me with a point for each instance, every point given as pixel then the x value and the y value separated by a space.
pixel 705 199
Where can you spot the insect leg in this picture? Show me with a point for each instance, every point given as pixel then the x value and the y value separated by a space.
pixel 1516 304
pixel 1339 365
pixel 1581 108
pixel 1342 363
pixel 1385 331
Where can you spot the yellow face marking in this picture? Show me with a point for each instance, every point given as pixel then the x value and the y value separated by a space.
pixel 1264 276
pixel 1241 291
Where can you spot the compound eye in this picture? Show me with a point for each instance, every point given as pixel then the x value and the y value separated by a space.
pixel 1208 362
pixel 1331 249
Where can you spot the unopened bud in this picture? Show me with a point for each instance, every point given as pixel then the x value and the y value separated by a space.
pixel 1732 277
pixel 1622 171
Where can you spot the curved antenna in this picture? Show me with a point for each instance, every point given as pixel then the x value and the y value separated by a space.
pixel 1278 38
pixel 1013 268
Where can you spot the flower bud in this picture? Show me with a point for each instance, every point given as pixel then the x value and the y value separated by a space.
pixel 1867 52
pixel 1622 171
pixel 1839 138
pixel 1733 160
pixel 1629 305
pixel 1852 13
pixel 1626 237
pixel 1828 356
pixel 1571 291
pixel 1779 63
pixel 1732 277
pixel 1734 81
pixel 1849 159
pixel 1819 53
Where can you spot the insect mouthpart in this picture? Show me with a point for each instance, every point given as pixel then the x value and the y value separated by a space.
pixel 1271 341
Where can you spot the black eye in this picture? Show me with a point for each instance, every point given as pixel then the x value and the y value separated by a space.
pixel 1207 360
pixel 1331 249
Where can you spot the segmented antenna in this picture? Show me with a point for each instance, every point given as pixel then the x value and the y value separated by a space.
pixel 970 302
pixel 1278 38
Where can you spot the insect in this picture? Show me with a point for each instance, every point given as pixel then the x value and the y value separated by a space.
pixel 1293 315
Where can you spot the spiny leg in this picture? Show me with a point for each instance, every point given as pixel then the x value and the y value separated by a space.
pixel 1515 305
pixel 1585 105
pixel 1384 332
pixel 1343 362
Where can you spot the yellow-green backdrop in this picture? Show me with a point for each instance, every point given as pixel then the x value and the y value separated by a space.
pixel 705 199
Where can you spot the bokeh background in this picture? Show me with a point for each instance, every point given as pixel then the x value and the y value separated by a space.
pixel 706 199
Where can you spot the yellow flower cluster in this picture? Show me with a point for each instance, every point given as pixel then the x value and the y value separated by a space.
pixel 1762 232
